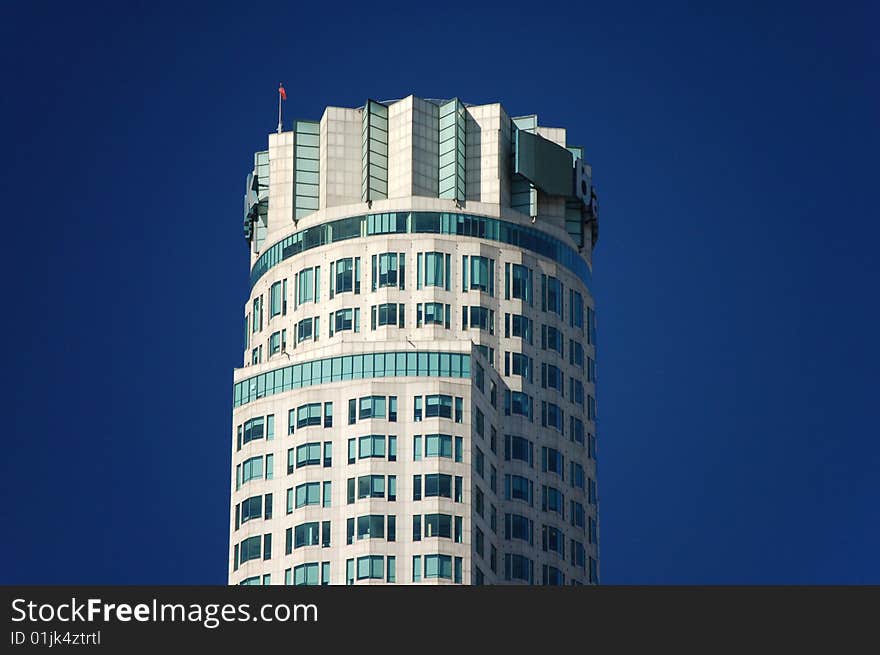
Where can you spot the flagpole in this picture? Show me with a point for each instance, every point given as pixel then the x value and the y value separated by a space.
pixel 279 107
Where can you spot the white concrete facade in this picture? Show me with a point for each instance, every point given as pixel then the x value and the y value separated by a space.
pixel 494 536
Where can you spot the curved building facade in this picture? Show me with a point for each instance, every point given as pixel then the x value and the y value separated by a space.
pixel 417 400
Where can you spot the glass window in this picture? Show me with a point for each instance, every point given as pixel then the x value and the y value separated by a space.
pixel 438 405
pixel 253 430
pixel 252 508
pixel 438 484
pixel 438 525
pixel 518 364
pixel 517 487
pixel 552 576
pixel 308 494
pixel 275 300
pixel 250 549
pixel 305 329
pixel 552 377
pixel 551 294
pixel 371 486
pixel 372 445
pixel 308 454
pixel 371 566
pixel 576 475
pixel 389 270
pixel 387 314
pixel 252 469
pixel 345 319
pixel 307 415
pixel 307 534
pixel 552 461
pixel 551 339
pixel 438 566
pixel 518 448
pixel 520 326
pixel 371 407
pixel 519 282
pixel 482 273
pixel 481 318
pixel 552 500
pixel 308 283
pixel 518 403
pixel 345 276
pixel 552 416
pixel 518 527
pixel 438 445
pixel 576 391
pixel 576 430
pixel 436 266
pixel 306 574
pixel 371 526
pixel 576 309
pixel 257 315
pixel 576 355
pixel 518 567
pixel 432 313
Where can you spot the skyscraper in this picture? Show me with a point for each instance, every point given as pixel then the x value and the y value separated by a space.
pixel 417 401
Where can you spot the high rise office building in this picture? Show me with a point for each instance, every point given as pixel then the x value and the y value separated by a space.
pixel 417 401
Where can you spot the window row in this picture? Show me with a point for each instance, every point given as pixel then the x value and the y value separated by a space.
pixel 467 225
pixel 429 313
pixel 519 403
pixel 551 575
pixel 352 367
pixel 433 269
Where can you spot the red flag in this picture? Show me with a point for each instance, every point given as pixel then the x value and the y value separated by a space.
pixel 282 92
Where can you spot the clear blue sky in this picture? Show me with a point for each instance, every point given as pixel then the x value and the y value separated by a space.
pixel 733 147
